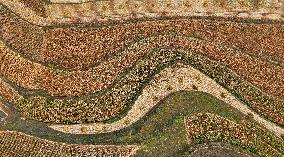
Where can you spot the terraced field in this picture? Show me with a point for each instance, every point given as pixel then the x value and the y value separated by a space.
pixel 100 78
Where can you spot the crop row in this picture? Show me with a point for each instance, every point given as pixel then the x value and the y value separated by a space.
pixel 161 132
pixel 22 36
pixel 88 45
pixel 8 92
pixel 112 102
pixel 82 47
pixel 65 83
pixel 22 145
pixel 207 127
pixel 36 5
pixel 90 11
pixel 218 149
pixel 178 77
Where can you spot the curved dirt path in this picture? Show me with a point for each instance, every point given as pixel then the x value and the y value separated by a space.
pixel 88 11
pixel 181 77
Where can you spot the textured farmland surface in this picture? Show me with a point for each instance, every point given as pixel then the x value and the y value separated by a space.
pixel 18 144
pixel 141 78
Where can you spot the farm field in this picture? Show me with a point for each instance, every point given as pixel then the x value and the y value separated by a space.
pixel 141 78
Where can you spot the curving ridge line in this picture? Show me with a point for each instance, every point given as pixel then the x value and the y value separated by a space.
pixel 26 13
pixel 181 77
pixel 50 46
pixel 103 75
pixel 123 92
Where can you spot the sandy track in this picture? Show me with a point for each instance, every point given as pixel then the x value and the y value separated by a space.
pixel 103 11
pixel 178 78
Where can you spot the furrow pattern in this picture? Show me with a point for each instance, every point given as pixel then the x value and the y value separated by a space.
pixel 22 145
pixel 110 103
pixel 175 78
pixel 207 127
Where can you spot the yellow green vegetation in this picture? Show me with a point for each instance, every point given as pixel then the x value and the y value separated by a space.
pixel 162 131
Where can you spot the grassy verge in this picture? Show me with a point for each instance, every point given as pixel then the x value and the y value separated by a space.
pixel 161 132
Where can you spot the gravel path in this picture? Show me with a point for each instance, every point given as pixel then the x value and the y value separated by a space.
pixel 170 80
